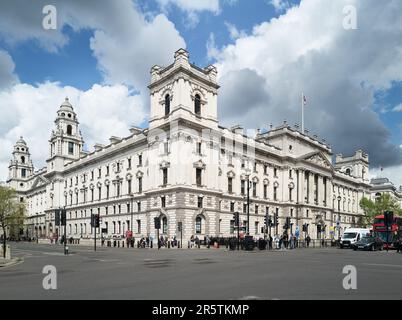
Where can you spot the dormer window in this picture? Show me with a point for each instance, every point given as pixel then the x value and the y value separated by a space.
pixel 197 105
pixel 167 105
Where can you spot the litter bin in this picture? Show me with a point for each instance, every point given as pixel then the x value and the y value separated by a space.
pixel 232 244
pixel 248 243
pixel 262 244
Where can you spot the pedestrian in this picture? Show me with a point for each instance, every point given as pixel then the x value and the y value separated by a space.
pixel 270 242
pixel 308 239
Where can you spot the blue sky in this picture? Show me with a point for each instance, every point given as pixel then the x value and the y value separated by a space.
pixel 282 50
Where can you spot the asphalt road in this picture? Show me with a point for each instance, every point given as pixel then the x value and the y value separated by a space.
pixel 121 273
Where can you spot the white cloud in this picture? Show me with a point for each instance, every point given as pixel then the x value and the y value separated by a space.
pixel 7 75
pixel 102 112
pixel 307 49
pixel 192 8
pixel 126 42
pixel 234 32
pixel 280 5
pixel 192 5
pixel 393 173
pixel 397 108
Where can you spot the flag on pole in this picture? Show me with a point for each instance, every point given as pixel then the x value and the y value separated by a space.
pixel 304 100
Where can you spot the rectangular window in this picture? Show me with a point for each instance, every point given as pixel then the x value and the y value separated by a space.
pixel 275 172
pixel 70 148
pixel 92 175
pixel 265 191
pixel 254 189
pixel 107 170
pixel 23 173
pixel 265 169
pixel 199 148
pixel 99 173
pixel 138 226
pixel 129 186
pixel 166 147
pixel 200 202
pixel 290 194
pixel 129 163
pixel 107 192
pixel 290 174
pixel 118 189
pixel 165 176
pixel 99 193
pixel 242 187
pixel 256 209
pixel 140 160
pixel 230 185
pixel 244 208
pixel 275 193
pixel 140 185
pixel 199 177
pixel 163 202
pixel 139 206
pixel 232 207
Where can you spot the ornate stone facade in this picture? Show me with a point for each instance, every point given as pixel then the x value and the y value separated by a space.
pixel 187 168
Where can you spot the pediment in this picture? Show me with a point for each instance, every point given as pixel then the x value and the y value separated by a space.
pixel 39 182
pixel 318 159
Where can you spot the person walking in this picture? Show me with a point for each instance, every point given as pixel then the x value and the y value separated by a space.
pixel 308 239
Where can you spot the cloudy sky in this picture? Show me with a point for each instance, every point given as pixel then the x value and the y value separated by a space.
pixel 267 52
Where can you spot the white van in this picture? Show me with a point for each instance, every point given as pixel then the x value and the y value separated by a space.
pixel 351 236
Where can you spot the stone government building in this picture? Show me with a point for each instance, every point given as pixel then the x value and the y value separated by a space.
pixel 187 168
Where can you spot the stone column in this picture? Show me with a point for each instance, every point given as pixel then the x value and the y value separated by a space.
pixel 320 190
pixel 311 188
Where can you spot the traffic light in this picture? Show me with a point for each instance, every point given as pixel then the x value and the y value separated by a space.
pixel 157 223
pixel 287 223
pixel 388 218
pixel 236 218
pixel 57 217
pixel 63 217
pixel 95 221
pixel 266 220
pixel 276 219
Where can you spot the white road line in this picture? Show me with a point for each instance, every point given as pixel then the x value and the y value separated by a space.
pixel 383 265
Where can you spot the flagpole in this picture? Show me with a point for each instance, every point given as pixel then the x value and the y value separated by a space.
pixel 302 106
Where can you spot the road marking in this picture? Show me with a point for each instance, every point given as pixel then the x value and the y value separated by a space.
pixel 383 265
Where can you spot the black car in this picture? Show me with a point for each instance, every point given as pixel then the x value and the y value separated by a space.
pixel 368 243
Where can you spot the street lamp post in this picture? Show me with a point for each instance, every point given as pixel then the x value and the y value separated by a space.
pixel 339 217
pixel 248 205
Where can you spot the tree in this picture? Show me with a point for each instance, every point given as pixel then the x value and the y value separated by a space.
pixel 371 208
pixel 12 214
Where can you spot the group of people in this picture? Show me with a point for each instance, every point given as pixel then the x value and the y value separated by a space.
pixel 284 241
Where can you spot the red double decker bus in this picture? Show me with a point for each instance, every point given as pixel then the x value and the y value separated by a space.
pixel 391 237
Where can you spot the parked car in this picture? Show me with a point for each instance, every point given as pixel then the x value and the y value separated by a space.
pixel 369 244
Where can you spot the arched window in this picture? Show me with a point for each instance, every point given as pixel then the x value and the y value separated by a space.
pixel 22 159
pixel 197 105
pixel 167 105
pixel 69 130
pixel 200 224
pixel 348 171
pixel 164 225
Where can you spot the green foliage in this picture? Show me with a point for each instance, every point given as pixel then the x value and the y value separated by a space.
pixel 374 208
pixel 12 213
